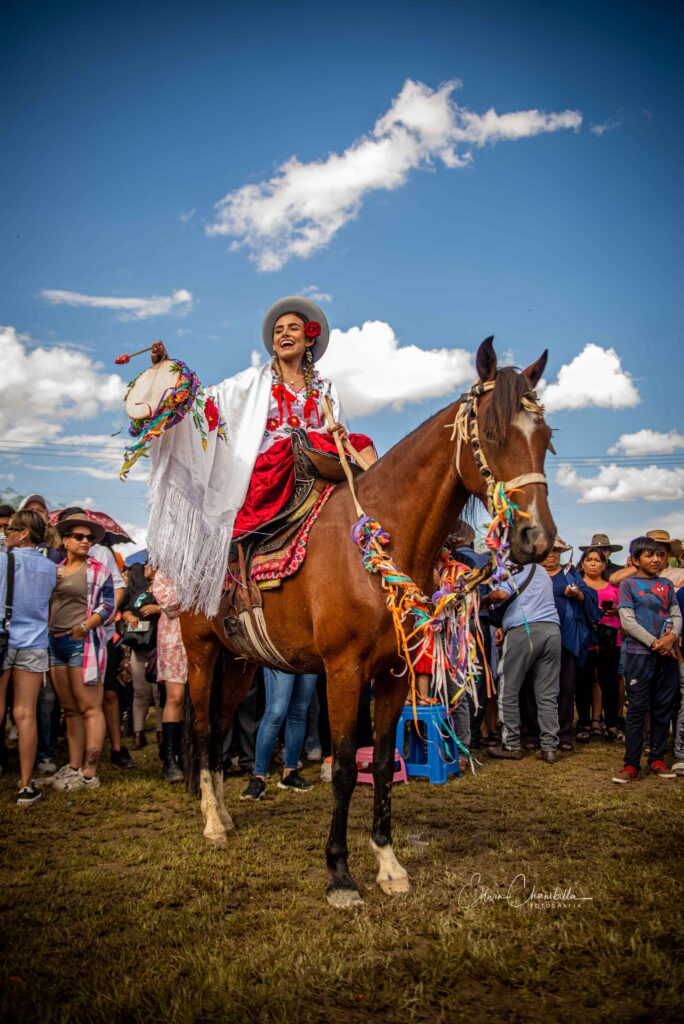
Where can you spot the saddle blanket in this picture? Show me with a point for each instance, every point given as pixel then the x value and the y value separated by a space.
pixel 269 570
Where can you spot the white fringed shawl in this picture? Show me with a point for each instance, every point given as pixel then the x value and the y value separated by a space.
pixel 195 494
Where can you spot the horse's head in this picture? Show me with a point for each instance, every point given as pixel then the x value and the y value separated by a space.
pixel 508 440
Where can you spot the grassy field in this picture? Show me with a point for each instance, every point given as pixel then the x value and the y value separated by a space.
pixel 114 911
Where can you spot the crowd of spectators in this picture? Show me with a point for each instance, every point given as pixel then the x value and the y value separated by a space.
pixel 571 652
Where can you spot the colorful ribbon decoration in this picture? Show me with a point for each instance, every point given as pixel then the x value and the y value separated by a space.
pixel 188 396
pixel 441 623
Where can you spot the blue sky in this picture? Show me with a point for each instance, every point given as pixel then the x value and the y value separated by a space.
pixel 125 124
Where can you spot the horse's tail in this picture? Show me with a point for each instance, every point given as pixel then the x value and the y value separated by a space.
pixel 190 751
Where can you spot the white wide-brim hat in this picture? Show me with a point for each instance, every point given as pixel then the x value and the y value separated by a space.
pixel 306 308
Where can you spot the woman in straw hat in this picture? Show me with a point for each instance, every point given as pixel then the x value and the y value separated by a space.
pixel 82 602
pixel 228 468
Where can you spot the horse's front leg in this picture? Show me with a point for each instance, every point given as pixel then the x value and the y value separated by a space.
pixel 202 648
pixel 390 693
pixel 344 688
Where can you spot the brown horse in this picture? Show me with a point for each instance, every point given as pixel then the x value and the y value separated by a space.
pixel 331 616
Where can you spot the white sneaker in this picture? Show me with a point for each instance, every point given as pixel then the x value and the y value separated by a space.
pixel 13 735
pixel 46 766
pixel 89 783
pixel 326 770
pixel 678 769
pixel 61 779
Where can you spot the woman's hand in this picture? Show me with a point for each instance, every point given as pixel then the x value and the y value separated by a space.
pixel 78 633
pixel 131 619
pixel 149 610
pixel 574 593
pixel 159 352
pixel 340 431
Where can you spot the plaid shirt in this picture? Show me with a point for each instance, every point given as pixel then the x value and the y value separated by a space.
pixel 100 601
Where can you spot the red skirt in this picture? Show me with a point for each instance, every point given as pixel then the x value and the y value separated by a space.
pixel 272 479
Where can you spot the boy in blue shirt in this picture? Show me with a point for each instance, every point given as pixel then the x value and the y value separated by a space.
pixel 652 623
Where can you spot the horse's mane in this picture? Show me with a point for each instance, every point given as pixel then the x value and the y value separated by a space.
pixel 504 406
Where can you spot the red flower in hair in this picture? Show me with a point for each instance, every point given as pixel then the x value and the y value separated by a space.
pixel 312 329
pixel 211 413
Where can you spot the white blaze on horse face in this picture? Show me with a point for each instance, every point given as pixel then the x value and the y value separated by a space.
pixel 527 423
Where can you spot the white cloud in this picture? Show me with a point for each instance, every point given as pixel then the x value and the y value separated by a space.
pixel 648 442
pixel 372 370
pixel 42 388
pixel 301 208
pixel 127 308
pixel 187 215
pixel 593 378
pixel 621 484
pixel 609 125
pixel 8 476
pixel 314 293
pixel 98 456
pixel 138 535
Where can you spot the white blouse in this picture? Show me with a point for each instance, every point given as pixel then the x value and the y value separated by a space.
pixel 289 409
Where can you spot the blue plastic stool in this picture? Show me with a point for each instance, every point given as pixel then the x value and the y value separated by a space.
pixel 433 752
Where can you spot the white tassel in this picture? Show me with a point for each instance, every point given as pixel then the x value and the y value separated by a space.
pixel 188 548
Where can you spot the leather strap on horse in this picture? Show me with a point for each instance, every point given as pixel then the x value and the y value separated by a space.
pixel 465 428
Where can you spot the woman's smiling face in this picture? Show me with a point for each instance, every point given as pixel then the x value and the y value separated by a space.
pixel 289 339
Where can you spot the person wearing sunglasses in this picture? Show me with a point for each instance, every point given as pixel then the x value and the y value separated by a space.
pixel 26 659
pixel 82 602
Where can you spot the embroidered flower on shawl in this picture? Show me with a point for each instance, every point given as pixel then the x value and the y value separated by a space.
pixel 294 421
pixel 211 413
pixel 312 329
pixel 271 423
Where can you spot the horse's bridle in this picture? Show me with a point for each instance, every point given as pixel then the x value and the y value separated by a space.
pixel 466 430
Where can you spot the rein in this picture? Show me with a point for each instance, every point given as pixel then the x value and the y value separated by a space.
pixel 466 428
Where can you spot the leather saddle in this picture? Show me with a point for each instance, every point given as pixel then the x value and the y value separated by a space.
pixel 312 471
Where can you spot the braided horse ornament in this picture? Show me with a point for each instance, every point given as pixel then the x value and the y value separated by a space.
pixel 331 616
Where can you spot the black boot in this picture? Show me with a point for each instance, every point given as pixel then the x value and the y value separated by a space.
pixel 170 748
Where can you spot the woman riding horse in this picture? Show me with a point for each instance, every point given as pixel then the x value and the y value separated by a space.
pixel 245 476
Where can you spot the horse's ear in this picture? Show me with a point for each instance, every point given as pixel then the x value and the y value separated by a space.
pixel 485 361
pixel 534 371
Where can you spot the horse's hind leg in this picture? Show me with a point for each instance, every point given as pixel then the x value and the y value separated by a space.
pixel 390 694
pixel 202 647
pixel 343 707
pixel 237 679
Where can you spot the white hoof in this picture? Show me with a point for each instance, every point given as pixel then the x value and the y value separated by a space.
pixel 395 886
pixel 344 899
pixel 216 839
pixel 392 878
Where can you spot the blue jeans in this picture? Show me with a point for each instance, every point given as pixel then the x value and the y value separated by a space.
pixel 64 650
pixel 286 696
